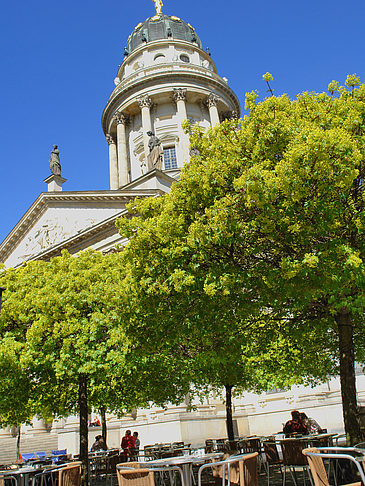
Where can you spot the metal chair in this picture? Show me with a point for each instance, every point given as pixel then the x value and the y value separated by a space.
pixel 272 458
pixel 70 475
pixel 315 459
pixel 248 470
pixel 252 444
pixel 5 480
pixel 236 469
pixel 293 458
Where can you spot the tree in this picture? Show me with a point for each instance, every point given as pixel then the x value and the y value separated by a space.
pixel 295 212
pixel 190 302
pixel 267 223
pixel 59 317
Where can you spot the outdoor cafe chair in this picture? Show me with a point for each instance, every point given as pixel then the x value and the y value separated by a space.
pixel 7 480
pixel 315 460
pixel 28 456
pixel 272 458
pixel 142 477
pixel 70 475
pixel 234 469
pixel 293 458
pixel 249 445
pixel 53 476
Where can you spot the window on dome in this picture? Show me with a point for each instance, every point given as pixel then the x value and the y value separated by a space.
pixel 169 157
pixel 159 58
pixel 184 58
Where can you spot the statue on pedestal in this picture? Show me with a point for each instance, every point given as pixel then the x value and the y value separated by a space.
pixel 154 159
pixel 54 161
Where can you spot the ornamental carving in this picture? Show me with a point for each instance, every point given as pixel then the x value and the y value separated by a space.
pixel 212 100
pixel 144 101
pixel 230 115
pixel 121 118
pixel 110 139
pixel 179 94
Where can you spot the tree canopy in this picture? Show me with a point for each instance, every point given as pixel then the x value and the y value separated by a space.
pixel 265 226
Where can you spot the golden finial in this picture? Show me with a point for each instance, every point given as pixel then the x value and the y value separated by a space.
pixel 159 5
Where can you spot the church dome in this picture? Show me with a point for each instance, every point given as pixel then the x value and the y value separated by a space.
pixel 161 27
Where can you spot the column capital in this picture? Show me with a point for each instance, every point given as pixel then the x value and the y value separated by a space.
pixel 144 101
pixel 212 100
pixel 121 118
pixel 110 139
pixel 179 94
pixel 230 115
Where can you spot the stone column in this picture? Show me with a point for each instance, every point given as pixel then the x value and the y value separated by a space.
pixel 211 102
pixel 145 103
pixel 113 163
pixel 180 99
pixel 122 120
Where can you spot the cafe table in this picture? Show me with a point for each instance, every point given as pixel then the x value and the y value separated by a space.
pixel 184 463
pixel 20 475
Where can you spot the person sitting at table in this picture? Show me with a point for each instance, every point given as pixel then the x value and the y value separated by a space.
pixel 295 425
pixel 137 442
pixel 128 445
pixel 99 444
pixel 313 427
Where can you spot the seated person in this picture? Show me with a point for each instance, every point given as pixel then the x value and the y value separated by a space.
pixel 295 425
pixel 99 444
pixel 313 427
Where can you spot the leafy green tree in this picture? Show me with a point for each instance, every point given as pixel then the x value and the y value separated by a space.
pixel 266 224
pixel 59 317
pixel 189 304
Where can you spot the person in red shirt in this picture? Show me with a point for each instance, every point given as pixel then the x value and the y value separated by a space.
pixel 128 445
pixel 295 425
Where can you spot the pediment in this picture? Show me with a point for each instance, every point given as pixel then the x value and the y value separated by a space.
pixel 60 220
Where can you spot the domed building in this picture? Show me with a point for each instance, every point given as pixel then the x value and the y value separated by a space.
pixel 165 78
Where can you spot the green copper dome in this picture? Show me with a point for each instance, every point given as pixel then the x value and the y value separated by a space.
pixel 161 27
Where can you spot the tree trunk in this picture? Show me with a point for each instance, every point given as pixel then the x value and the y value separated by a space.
pixel 229 412
pixel 103 425
pixel 347 377
pixel 84 449
pixel 18 455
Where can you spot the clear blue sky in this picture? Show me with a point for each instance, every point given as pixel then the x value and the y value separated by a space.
pixel 59 59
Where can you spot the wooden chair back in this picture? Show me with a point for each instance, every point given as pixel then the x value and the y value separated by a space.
pixel 292 452
pixel 135 477
pixel 248 470
pixel 317 468
pixel 70 475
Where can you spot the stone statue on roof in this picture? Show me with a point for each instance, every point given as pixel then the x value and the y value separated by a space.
pixel 54 161
pixel 159 5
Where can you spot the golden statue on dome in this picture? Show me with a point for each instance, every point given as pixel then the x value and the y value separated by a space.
pixel 159 5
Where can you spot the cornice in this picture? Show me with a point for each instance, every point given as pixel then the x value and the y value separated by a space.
pixel 45 199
